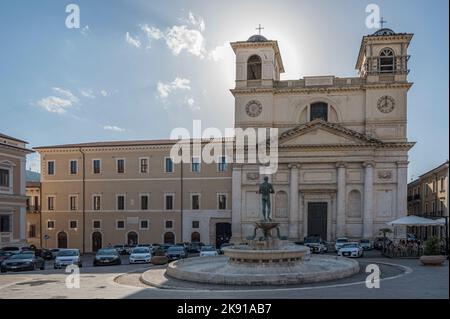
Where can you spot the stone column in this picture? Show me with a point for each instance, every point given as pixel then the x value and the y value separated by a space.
pixel 368 200
pixel 23 212
pixel 293 202
pixel 341 194
pixel 402 189
pixel 236 198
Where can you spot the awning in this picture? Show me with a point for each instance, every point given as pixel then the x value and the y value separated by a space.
pixel 412 220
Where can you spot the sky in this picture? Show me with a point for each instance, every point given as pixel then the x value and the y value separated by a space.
pixel 137 69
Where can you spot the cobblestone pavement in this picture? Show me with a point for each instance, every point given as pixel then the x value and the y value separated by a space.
pixel 123 282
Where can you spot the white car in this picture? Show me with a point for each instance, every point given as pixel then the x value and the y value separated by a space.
pixel 351 250
pixel 208 251
pixel 366 244
pixel 140 255
pixel 340 242
pixel 67 257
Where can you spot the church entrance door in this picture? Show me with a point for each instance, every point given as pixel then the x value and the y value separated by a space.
pixel 317 219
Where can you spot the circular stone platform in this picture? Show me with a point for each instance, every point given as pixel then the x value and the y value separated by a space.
pixel 218 270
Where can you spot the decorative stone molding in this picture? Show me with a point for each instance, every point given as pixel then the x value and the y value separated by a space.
pixel 252 176
pixel 402 163
pixel 296 165
pixel 368 164
pixel 385 175
pixel 341 164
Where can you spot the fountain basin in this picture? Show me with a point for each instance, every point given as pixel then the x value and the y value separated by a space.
pixel 218 270
pixel 245 254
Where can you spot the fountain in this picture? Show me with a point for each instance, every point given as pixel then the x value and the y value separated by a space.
pixel 267 260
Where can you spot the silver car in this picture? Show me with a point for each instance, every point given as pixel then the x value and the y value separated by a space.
pixel 67 257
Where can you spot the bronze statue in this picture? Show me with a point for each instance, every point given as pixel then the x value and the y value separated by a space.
pixel 265 189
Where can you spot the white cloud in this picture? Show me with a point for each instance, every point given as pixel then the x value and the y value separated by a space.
pixel 113 128
pixel 87 93
pixel 132 41
pixel 55 104
pixel 66 94
pixel 220 52
pixel 180 38
pixel 60 103
pixel 152 32
pixel 84 31
pixel 197 21
pixel 104 93
pixel 164 89
pixel 191 103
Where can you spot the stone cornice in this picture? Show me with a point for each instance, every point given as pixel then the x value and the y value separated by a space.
pixel 323 89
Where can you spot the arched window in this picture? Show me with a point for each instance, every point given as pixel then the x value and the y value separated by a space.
pixel 169 238
pixel 386 60
pixel 195 237
pixel 254 68
pixel 318 110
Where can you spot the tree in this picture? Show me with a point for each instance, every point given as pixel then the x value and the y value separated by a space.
pixel 385 231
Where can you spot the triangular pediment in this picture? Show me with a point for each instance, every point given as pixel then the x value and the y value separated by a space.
pixel 319 132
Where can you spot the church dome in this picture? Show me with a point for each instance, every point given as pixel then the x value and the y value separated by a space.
pixel 257 38
pixel 384 31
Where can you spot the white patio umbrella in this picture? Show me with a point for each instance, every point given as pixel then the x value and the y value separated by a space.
pixel 413 220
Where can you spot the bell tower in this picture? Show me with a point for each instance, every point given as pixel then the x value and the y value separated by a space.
pixel 258 62
pixel 383 56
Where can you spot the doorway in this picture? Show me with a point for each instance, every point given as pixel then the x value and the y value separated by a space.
pixel 96 241
pixel 223 233
pixel 62 240
pixel 317 219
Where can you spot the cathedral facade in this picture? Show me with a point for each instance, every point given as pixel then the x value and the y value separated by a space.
pixel 342 142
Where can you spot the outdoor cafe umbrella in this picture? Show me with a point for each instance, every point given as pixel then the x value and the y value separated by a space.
pixel 412 220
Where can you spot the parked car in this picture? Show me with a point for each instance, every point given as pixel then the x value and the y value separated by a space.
pixel 12 250
pixel 140 255
pixel 351 249
pixel 316 244
pixel 149 246
pixel 120 249
pixel 366 244
pixel 25 261
pixel 340 242
pixel 5 255
pixel 195 247
pixel 223 246
pixel 55 252
pixel 107 256
pixel 208 251
pixel 176 252
pixel 67 257
pixel 46 254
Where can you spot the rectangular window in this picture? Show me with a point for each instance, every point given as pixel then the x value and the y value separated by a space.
pixel 73 167
pixel 96 224
pixel 120 166
pixel 168 165
pixel 144 202
pixel 73 224
pixel 96 202
pixel 144 224
pixel 51 168
pixel 96 166
pixel 32 231
pixel 319 110
pixel 222 201
pixel 169 202
pixel 120 224
pixel 5 225
pixel 169 224
pixel 434 186
pixel 120 202
pixel 51 203
pixel 222 165
pixel 143 165
pixel 195 224
pixel 195 165
pixel 442 184
pixel 73 202
pixel 4 177
pixel 50 224
pixel 195 200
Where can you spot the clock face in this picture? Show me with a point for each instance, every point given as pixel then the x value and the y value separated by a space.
pixel 253 108
pixel 386 104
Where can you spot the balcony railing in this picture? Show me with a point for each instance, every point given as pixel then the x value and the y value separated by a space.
pixel 33 208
